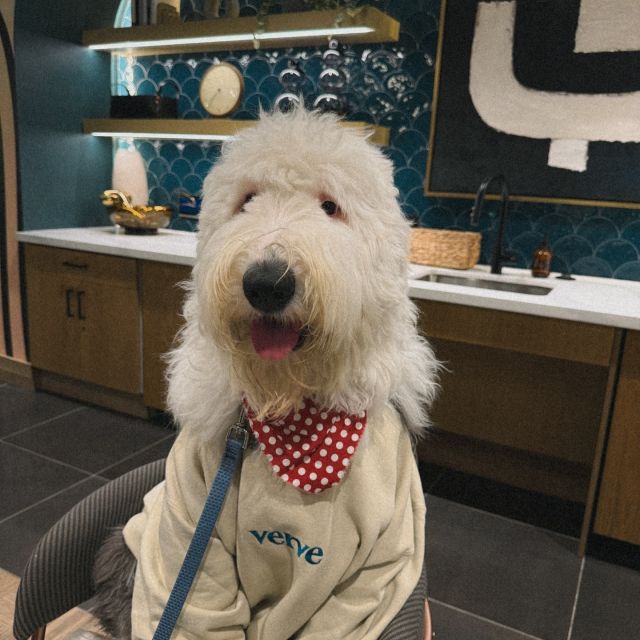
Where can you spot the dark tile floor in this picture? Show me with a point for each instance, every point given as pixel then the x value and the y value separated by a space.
pixel 53 452
pixel 507 572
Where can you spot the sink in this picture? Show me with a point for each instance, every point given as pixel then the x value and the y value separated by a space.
pixel 482 283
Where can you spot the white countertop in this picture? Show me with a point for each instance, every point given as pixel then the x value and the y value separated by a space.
pixel 603 301
pixel 177 247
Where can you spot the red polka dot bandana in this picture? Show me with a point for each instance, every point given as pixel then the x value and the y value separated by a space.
pixel 311 448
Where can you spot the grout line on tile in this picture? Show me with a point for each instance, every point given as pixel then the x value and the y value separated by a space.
pixel 507 519
pixel 51 495
pixel 575 600
pixel 45 457
pixel 487 620
pixel 135 453
pixel 39 424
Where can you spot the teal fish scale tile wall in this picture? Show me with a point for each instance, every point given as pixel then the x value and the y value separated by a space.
pixel 390 85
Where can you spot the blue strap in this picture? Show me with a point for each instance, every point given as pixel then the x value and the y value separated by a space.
pixel 237 439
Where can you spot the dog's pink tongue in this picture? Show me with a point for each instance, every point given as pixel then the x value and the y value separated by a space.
pixel 273 341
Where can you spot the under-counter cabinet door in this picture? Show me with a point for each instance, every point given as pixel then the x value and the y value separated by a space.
pixel 618 511
pixel 84 317
pixel 162 300
pixel 522 396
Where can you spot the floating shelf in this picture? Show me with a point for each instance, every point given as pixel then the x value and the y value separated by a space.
pixel 206 129
pixel 366 24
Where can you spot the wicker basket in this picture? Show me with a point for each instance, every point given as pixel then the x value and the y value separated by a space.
pixel 443 248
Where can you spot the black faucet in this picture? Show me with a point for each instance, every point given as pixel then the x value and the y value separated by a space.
pixel 497 257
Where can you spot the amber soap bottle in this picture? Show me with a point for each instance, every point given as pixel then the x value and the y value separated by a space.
pixel 541 266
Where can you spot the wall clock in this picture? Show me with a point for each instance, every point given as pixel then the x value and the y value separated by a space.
pixel 221 89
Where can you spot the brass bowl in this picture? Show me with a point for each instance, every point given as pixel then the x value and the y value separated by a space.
pixel 145 219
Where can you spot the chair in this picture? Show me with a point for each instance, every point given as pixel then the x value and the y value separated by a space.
pixel 58 575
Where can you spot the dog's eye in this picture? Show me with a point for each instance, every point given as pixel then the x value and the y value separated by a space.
pixel 247 199
pixel 329 207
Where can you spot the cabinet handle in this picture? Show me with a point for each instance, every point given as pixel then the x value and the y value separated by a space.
pixel 80 297
pixel 75 265
pixel 68 293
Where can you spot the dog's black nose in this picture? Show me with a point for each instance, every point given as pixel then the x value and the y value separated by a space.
pixel 269 285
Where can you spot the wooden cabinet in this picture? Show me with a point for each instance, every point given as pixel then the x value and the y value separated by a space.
pixel 99 325
pixel 618 512
pixel 522 397
pixel 84 316
pixel 162 299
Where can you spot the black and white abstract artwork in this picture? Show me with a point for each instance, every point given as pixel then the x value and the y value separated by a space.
pixel 546 92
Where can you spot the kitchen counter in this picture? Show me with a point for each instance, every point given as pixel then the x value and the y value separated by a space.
pixel 602 301
pixel 175 247
pixel 573 367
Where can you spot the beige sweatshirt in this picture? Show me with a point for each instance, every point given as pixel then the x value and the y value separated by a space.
pixel 284 564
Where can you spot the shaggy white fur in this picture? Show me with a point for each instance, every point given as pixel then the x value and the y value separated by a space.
pixel 362 348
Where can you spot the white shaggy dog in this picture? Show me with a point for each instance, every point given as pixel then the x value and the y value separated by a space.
pixel 264 201
pixel 298 307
